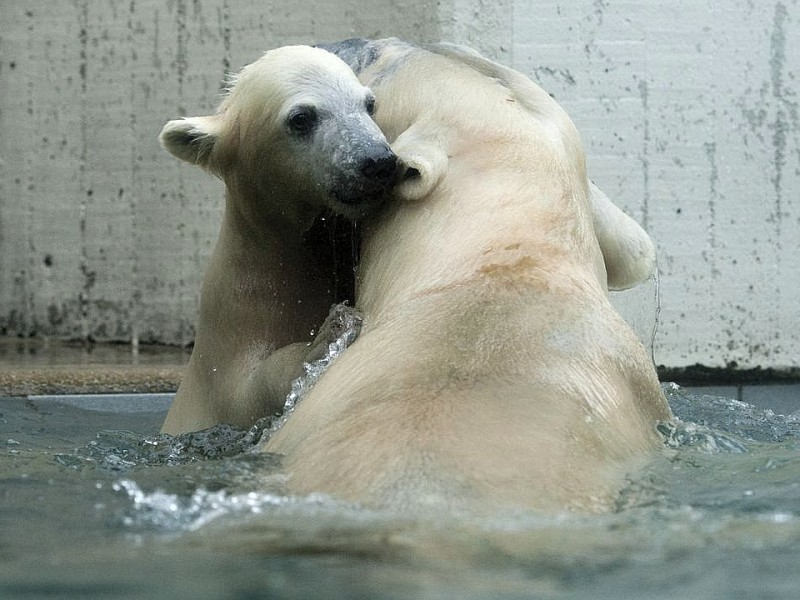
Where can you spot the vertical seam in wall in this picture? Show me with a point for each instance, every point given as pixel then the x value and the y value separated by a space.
pixel 26 276
pixel 225 27
pixel 134 302
pixel 83 300
pixel 182 62
pixel 777 59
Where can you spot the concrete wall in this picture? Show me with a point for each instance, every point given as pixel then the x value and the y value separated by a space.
pixel 688 108
pixel 103 234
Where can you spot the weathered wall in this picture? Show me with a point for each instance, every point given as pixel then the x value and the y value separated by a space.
pixel 689 111
pixel 103 234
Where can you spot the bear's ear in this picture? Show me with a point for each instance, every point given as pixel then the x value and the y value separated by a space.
pixel 424 163
pixel 191 139
pixel 628 251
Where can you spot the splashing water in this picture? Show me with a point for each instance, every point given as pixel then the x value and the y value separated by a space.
pixel 120 451
pixel 735 418
pixel 678 434
pixel 716 516
pixel 345 325
pixel 168 512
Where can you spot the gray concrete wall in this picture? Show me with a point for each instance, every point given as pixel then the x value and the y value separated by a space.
pixel 103 234
pixel 689 111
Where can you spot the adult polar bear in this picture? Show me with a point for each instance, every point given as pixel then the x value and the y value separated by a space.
pixel 293 136
pixel 491 370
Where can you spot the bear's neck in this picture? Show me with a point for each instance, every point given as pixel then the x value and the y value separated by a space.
pixel 265 216
pixel 261 284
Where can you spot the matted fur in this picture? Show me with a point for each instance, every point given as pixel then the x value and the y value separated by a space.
pixel 266 286
pixel 491 371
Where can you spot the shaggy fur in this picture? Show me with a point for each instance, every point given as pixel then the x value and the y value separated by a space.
pixel 491 371
pixel 293 139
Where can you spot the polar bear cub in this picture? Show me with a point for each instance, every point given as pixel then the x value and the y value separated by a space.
pixel 293 137
pixel 491 371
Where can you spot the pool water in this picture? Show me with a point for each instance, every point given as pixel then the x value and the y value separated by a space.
pixel 97 505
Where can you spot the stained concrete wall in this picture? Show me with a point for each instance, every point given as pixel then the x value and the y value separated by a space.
pixel 689 112
pixel 103 234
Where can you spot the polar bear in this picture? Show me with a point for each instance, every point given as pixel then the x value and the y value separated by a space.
pixel 293 137
pixel 491 371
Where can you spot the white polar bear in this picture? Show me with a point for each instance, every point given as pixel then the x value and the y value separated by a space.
pixel 491 370
pixel 293 137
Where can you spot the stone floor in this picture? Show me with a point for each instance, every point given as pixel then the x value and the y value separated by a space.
pixel 37 367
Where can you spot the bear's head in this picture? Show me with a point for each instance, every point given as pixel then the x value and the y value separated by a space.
pixel 294 133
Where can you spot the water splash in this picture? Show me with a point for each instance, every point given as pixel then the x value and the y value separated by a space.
pixel 344 325
pixel 118 450
pixel 678 434
pixel 732 416
pixel 714 424
pixel 170 512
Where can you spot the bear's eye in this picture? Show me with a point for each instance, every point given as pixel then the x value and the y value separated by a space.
pixel 302 120
pixel 369 104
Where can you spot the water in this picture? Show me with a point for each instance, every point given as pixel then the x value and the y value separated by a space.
pixel 97 505
pixel 340 329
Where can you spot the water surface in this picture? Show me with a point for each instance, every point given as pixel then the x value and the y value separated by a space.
pixel 96 505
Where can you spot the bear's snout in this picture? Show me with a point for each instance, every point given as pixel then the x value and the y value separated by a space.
pixel 366 185
pixel 380 167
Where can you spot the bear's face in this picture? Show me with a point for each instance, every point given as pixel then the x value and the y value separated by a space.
pixel 295 129
pixel 327 142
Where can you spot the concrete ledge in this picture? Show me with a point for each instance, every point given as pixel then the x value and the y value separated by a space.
pixel 114 403
pixel 95 379
pixel 114 378
pixel 36 367
pixel 782 399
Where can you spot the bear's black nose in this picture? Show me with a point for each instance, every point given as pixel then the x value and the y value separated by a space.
pixel 380 167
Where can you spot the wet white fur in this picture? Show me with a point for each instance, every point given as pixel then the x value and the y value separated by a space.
pixel 491 372
pixel 263 289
